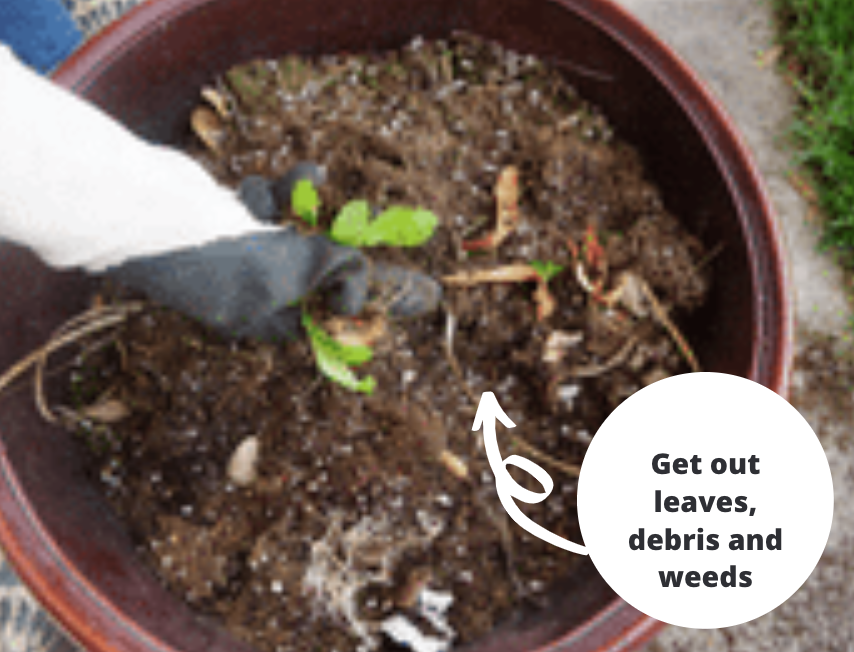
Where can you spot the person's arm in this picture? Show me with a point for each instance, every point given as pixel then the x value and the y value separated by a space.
pixel 81 190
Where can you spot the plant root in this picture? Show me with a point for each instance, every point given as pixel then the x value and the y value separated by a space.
pixel 92 321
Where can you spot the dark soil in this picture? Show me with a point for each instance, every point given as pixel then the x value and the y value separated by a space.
pixel 353 509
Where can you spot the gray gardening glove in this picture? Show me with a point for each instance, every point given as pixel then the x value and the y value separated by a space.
pixel 82 191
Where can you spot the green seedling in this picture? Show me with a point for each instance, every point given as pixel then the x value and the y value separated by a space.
pixel 305 201
pixel 335 359
pixel 398 226
pixel 354 226
pixel 546 270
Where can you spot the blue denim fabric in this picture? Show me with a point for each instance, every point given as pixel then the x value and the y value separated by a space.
pixel 41 32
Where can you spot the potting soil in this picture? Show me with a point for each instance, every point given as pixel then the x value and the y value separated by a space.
pixel 357 508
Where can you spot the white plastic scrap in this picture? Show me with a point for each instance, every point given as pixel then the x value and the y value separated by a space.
pixel 432 606
pixel 401 630
pixel 334 583
pixel 345 561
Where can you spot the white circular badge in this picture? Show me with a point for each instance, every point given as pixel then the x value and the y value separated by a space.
pixel 705 500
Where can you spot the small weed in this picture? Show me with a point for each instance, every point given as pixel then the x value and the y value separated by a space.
pixel 547 270
pixel 397 226
pixel 354 226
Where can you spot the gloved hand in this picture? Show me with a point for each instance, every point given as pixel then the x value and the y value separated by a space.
pixel 82 191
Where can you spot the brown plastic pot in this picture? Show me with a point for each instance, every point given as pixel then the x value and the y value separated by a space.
pixel 147 70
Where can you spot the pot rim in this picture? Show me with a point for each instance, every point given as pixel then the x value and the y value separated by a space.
pixel 715 126
pixel 94 622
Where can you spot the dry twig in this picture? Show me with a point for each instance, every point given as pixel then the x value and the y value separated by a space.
pixel 664 319
pixel 513 273
pixel 75 329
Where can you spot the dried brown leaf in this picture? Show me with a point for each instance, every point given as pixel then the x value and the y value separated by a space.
pixel 107 411
pixel 506 193
pixel 629 292
pixel 546 303
pixel 218 101
pixel 209 128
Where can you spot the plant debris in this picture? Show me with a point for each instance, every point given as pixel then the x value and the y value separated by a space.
pixel 516 273
pixel 506 211
pixel 106 411
pixel 209 128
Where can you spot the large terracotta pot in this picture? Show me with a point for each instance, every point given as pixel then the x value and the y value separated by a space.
pixel 147 70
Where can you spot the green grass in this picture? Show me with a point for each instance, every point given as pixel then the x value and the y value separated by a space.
pixel 818 40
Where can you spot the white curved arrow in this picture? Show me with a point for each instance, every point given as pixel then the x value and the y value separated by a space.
pixel 488 411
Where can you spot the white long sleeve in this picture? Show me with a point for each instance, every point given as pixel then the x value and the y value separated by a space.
pixel 80 189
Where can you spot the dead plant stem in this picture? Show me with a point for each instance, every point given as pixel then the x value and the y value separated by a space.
pixel 664 319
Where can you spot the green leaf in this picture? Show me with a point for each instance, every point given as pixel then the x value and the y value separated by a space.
pixel 305 201
pixel 402 226
pixel 337 370
pixel 334 359
pixel 398 226
pixel 547 270
pixel 351 224
pixel 353 355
